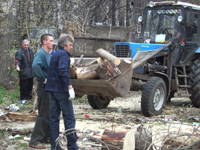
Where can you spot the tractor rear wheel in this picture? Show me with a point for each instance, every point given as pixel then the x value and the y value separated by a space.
pixel 153 97
pixel 194 82
pixel 98 102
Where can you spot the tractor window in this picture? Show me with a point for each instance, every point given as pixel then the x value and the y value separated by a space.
pixel 161 22
pixel 191 26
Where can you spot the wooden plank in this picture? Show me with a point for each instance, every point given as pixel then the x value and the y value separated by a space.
pixel 21 116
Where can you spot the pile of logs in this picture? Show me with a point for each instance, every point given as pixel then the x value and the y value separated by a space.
pixel 104 67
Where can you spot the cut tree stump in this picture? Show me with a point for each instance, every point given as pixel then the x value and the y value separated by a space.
pixel 107 70
pixel 113 137
pixel 108 56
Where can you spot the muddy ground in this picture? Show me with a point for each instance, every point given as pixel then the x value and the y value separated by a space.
pixel 180 109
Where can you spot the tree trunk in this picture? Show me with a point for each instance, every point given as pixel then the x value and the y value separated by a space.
pixel 127 13
pixel 113 13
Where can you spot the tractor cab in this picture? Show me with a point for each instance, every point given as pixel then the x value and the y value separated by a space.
pixel 164 20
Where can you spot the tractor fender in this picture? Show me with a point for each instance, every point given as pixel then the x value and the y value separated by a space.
pixel 166 80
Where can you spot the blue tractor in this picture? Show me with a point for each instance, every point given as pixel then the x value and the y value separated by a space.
pixel 175 68
pixel 165 55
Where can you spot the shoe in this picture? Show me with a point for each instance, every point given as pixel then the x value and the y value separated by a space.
pixel 38 146
pixel 23 101
pixel 47 141
pixel 60 148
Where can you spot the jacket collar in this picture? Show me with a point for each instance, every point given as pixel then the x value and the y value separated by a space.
pixel 64 50
pixel 24 49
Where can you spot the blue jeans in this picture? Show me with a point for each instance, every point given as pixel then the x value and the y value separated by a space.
pixel 60 102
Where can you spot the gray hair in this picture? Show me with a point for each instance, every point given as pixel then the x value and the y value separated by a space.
pixel 64 39
pixel 25 41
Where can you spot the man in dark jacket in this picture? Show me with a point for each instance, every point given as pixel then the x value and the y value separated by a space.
pixel 62 92
pixel 23 61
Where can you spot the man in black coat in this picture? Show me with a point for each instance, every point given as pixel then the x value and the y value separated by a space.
pixel 23 61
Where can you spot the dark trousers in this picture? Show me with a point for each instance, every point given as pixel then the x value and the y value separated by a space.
pixel 60 102
pixel 26 87
pixel 41 130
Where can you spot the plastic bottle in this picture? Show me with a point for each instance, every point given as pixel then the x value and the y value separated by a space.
pixel 14 108
pixel 120 110
pixel 23 101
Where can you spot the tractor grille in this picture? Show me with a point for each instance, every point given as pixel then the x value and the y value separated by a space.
pixel 123 51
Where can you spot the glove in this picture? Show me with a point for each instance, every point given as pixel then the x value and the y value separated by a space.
pixel 71 94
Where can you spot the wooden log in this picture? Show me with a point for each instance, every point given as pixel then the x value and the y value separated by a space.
pixel 107 70
pixel 114 137
pixel 73 72
pixel 108 56
pixel 124 65
pixel 87 72
pixel 97 60
pixel 21 116
pixel 129 140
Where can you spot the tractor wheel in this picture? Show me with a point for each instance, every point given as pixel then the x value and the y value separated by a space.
pixel 194 82
pixel 98 102
pixel 153 97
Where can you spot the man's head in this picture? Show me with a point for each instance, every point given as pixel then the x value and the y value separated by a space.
pixel 47 41
pixel 66 41
pixel 25 44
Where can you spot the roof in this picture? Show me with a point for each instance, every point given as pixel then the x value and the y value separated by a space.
pixel 184 4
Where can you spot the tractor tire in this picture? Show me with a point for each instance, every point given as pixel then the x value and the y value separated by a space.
pixel 194 82
pixel 98 102
pixel 153 97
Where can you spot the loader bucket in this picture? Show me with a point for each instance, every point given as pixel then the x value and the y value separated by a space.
pixel 115 87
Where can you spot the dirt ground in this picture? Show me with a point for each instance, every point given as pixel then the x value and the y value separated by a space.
pixel 180 109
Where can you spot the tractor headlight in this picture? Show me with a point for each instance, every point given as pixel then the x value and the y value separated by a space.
pixel 151 4
pixel 140 19
pixel 180 18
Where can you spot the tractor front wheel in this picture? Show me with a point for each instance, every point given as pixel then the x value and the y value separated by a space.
pixel 153 97
pixel 98 102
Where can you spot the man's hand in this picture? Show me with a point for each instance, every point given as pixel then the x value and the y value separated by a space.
pixel 45 81
pixel 71 94
pixel 18 68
